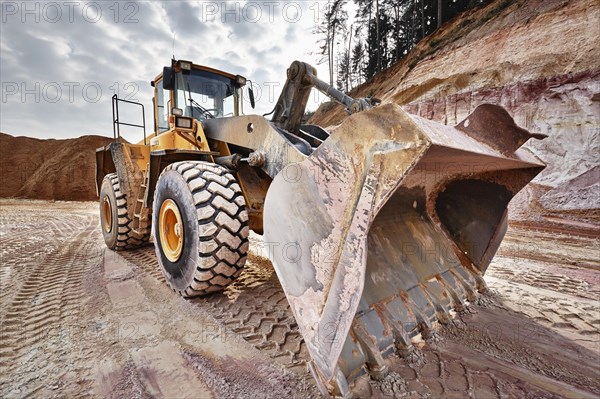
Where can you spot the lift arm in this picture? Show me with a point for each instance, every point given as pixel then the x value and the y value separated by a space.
pixel 301 78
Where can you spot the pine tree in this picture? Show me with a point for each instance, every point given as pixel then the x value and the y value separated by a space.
pixel 358 62
pixel 385 31
pixel 330 27
pixel 343 75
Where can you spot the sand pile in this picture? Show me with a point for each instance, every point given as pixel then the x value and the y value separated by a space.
pixel 540 59
pixel 49 169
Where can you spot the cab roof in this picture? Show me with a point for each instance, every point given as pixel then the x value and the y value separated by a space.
pixel 200 68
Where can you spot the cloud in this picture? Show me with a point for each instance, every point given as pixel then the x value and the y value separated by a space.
pixel 61 62
pixel 185 19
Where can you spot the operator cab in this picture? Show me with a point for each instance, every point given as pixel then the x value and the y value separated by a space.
pixel 199 92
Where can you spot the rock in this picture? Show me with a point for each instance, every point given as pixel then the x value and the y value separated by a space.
pixel 538 59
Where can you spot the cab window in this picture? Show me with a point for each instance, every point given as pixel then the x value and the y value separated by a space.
pixel 162 107
pixel 206 95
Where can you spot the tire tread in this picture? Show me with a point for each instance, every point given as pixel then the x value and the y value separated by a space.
pixel 127 239
pixel 223 225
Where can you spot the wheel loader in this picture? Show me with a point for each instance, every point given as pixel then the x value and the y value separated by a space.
pixel 379 229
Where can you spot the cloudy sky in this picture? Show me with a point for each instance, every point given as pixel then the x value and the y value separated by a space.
pixel 61 62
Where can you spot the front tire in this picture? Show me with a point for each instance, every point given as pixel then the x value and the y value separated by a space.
pixel 200 226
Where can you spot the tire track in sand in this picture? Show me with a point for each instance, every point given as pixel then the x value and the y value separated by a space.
pixel 38 338
pixel 254 307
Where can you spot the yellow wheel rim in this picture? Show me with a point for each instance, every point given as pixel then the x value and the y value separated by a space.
pixel 106 214
pixel 171 230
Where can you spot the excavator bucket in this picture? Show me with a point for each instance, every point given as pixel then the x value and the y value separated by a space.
pixel 387 228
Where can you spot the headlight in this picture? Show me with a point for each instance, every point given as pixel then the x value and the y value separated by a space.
pixel 185 65
pixel 183 122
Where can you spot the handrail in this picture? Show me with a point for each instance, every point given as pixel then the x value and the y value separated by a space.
pixel 117 124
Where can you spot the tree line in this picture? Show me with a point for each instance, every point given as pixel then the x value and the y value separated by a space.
pixel 381 33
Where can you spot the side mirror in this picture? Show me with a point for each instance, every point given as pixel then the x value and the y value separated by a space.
pixel 251 95
pixel 168 78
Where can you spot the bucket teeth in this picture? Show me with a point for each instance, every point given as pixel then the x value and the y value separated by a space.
pixel 457 292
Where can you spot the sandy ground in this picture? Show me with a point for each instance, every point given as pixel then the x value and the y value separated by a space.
pixel 81 321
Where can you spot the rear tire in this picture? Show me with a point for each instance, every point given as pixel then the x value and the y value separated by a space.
pixel 114 220
pixel 200 226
